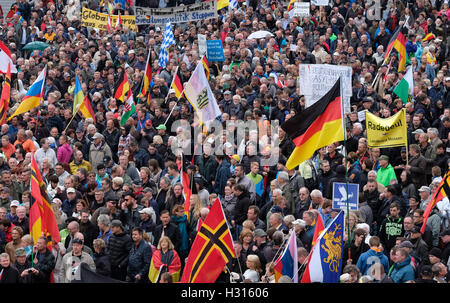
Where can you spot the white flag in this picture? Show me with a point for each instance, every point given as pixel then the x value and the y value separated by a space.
pixel 200 95
pixel 5 58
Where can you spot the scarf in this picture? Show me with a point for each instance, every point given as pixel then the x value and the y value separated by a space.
pixel 181 222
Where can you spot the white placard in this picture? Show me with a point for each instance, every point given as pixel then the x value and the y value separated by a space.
pixel 319 2
pixel 202 44
pixel 301 9
pixel 361 116
pixel 317 79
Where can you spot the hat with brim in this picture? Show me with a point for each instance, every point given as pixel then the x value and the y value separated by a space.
pixel 260 233
pixel 20 252
pixel 161 126
pixel 384 157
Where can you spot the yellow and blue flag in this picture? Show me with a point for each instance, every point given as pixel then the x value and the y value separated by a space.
pixel 325 260
pixel 33 96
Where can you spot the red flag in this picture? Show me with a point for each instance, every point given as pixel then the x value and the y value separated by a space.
pixel 318 229
pixel 6 94
pixel 187 190
pixel 212 249
pixel 118 21
pixel 441 192
pixel 108 22
pixel 42 218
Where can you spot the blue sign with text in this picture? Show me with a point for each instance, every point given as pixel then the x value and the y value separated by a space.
pixel 344 191
pixel 214 51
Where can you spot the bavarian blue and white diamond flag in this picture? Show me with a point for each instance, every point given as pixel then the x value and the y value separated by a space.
pixel 199 94
pixel 168 40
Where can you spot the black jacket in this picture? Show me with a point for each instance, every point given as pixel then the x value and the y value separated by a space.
pixel 102 264
pixel 45 264
pixel 119 247
pixel 240 210
pixel 171 231
pixel 90 232
pixel 9 275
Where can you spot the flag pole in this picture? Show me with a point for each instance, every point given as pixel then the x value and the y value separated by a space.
pixel 42 98
pixel 344 128
pixel 145 72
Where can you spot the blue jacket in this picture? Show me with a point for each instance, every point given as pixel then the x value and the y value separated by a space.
pixel 403 271
pixel 139 259
pixel 222 175
pixel 370 257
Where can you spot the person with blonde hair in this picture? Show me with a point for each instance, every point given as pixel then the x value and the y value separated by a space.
pixel 164 259
pixel 254 268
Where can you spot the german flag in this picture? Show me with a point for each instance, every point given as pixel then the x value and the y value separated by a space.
pixel 315 127
pixel 442 191
pixel 122 87
pixel 291 4
pixel 6 94
pixel 177 84
pixel 157 265
pixel 212 249
pixel 189 187
pixel 42 218
pixel 206 66
pixel 148 74
pixel 398 42
pixel 86 108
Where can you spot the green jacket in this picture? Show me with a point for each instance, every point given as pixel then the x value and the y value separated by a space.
pixel 384 175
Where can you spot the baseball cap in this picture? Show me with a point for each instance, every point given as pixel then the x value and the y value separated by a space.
pixel 77 241
pixel 384 157
pixel 97 136
pixel 227 92
pixel 171 91
pixel 116 223
pixel 71 190
pixel 260 233
pixel 161 126
pixel 447 79
pixel 14 203
pixel 20 252
pixel 418 131
pixel 407 244
pixel 425 188
pixel 149 211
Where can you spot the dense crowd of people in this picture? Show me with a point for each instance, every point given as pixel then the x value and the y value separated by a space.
pixel 117 192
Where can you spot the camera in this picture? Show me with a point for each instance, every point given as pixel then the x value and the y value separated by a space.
pixel 30 271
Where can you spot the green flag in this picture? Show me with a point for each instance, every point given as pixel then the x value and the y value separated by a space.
pixel 129 109
pixel 405 87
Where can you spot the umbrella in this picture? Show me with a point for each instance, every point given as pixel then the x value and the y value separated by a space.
pixel 259 35
pixel 36 45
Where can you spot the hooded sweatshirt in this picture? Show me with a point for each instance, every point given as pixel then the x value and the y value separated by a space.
pixel 370 257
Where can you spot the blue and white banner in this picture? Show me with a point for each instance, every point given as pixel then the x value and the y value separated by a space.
pixel 342 192
pixel 214 51
pixel 177 14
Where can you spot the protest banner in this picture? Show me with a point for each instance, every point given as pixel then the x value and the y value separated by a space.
pixel 214 51
pixel 177 14
pixel 91 18
pixel 389 132
pixel 301 9
pixel 316 80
